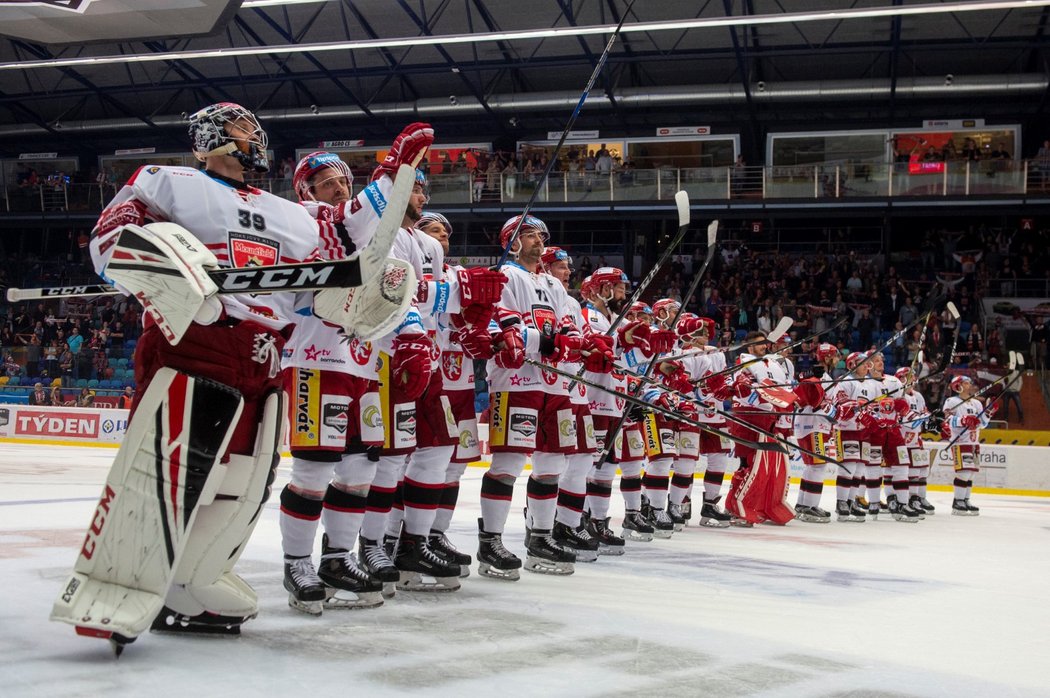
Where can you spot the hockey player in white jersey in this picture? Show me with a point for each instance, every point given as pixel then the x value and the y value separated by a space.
pixel 336 421
pixel 569 530
pixel 912 424
pixel 195 468
pixel 964 417
pixel 530 411
pixel 851 436
pixel 887 441
pixel 814 433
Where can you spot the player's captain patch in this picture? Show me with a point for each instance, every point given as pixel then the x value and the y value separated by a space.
pixel 251 251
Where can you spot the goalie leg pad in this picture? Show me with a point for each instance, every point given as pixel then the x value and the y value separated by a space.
pixel 165 471
pixel 204 582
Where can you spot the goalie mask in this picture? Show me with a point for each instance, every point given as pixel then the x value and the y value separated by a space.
pixel 316 169
pixel 211 136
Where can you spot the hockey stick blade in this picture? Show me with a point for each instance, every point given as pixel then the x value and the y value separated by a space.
pixel 953 311
pixel 781 329
pixel 681 200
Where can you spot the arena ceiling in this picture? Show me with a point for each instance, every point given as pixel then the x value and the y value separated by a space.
pixel 278 58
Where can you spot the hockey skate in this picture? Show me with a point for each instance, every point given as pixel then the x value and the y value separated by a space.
pixel 662 524
pixel 873 511
pixel 348 584
pixel 922 504
pixel 635 527
pixel 811 514
pixel 442 546
pixel 494 560
pixel 713 517
pixel 842 511
pixel 306 591
pixel 577 541
pixel 608 542
pixel 421 568
pixel 374 558
pixel 903 512
pixel 674 512
pixel 858 512
pixel 962 507
pixel 687 509
pixel 545 556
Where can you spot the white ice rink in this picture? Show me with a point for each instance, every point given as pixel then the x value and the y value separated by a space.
pixel 951 606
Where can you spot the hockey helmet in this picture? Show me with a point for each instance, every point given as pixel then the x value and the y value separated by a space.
pixel 553 254
pixel 530 222
pixel 321 162
pixel 959 382
pixel 855 359
pixel 903 374
pixel 587 287
pixel 638 310
pixel 209 137
pixel 434 217
pixel 826 351
pixel 665 308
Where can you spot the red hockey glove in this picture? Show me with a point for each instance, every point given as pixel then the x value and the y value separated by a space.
pixel 688 409
pixel 946 430
pixel 991 410
pixel 409 144
pixel 810 392
pixel 562 347
pixel 675 376
pixel 635 335
pixel 599 358
pixel 717 387
pixel 477 315
pixel 742 385
pixel 662 341
pixel 476 343
pixel 688 326
pixel 667 401
pixel 901 406
pixel 410 365
pixel 847 410
pixel 480 286
pixel 970 421
pixel 867 420
pixel 510 351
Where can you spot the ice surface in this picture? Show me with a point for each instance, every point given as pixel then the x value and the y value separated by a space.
pixel 951 606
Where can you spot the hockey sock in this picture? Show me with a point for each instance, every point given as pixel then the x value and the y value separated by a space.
pixel 497 489
pixel 299 517
pixel 844 482
pixel 714 475
pixel 542 489
pixel 655 481
pixel 811 486
pixel 962 488
pixel 924 472
pixel 449 496
pixel 342 515
pixel 899 478
pixel 423 485
pixel 682 481
pixel 873 481
pixel 397 509
pixel 572 489
pixel 381 497
pixel 631 485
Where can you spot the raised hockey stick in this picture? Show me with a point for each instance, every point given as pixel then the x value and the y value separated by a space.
pixel 712 238
pixel 681 200
pixel 671 414
pixel 564 134
pixel 356 270
pixel 1019 366
pixel 1015 361
pixel 776 333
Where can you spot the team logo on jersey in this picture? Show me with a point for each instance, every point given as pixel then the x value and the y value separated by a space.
pixel 253 251
pixel 335 416
pixel 452 365
pixel 524 424
pixel 548 377
pixel 372 417
pixel 360 351
pixel 466 439
pixel 544 320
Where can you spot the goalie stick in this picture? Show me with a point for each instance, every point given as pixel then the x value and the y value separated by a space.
pixel 356 270
pixel 635 400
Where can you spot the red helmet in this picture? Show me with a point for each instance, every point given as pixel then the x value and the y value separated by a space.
pixel 959 381
pixel 903 374
pixel 638 308
pixel 855 359
pixel 313 164
pixel 553 254
pixel 710 326
pixel 586 288
pixel 530 223
pixel 608 275
pixel 826 351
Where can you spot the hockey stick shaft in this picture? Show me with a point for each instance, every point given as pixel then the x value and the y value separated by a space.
pixel 564 134
pixel 306 276
pixel 635 400
pixel 986 407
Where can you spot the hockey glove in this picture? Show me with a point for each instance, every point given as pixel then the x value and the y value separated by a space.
pixel 867 420
pixel 662 341
pixel 562 347
pixel 480 286
pixel 742 385
pixel 635 335
pixel 410 368
pixel 688 326
pixel 510 351
pixel 847 410
pixel 970 421
pixel 599 355
pixel 476 343
pixel 409 144
pixel 810 392
pixel 717 387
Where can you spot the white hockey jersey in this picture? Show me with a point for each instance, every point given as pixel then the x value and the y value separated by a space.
pixel 602 402
pixel 955 408
pixel 913 422
pixel 763 370
pixel 540 299
pixel 698 366
pixel 574 317
pixel 457 369
pixel 239 224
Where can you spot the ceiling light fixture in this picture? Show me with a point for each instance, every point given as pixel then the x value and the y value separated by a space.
pixel 532 34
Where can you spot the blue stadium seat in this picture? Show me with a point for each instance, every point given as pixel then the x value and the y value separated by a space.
pixel 15 380
pixel 93 383
pixel 82 383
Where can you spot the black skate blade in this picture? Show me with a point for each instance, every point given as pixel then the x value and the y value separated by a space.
pixel 168 621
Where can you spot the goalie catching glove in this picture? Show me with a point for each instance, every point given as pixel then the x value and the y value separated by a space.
pixel 166 268
pixel 373 310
